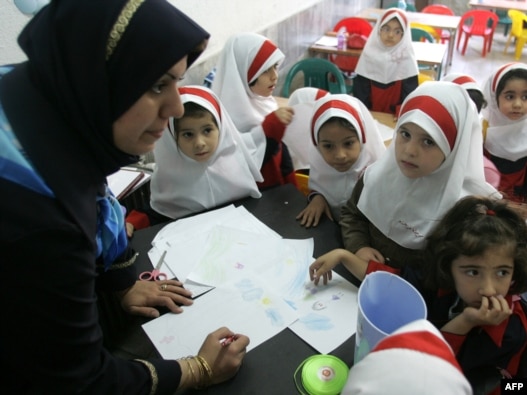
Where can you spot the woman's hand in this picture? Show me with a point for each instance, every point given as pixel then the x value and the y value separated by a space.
pixel 310 216
pixel 224 361
pixel 144 296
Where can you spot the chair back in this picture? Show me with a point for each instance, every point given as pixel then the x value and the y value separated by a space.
pixel 438 9
pixel 477 22
pixel 433 32
pixel 517 18
pixel 353 25
pixel 409 7
pixel 318 73
pixel 419 34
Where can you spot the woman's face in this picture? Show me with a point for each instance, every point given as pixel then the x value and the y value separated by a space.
pixel 136 131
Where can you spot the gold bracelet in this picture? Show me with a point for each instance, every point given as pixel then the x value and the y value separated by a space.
pixel 192 374
pixel 206 370
pixel 153 375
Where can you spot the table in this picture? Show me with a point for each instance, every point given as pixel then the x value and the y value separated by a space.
pixel 520 5
pixel 427 54
pixel 269 368
pixel 447 22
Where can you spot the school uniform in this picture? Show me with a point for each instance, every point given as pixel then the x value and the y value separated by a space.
pixel 413 360
pixel 336 186
pixel 495 350
pixel 506 140
pixel 386 75
pixel 243 59
pixel 181 185
pixel 405 210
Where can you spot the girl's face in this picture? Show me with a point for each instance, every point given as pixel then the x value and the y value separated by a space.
pixel 198 137
pixel 416 153
pixel 486 275
pixel 391 33
pixel 339 146
pixel 266 82
pixel 512 101
pixel 136 131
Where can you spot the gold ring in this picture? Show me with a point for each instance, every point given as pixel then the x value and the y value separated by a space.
pixel 164 287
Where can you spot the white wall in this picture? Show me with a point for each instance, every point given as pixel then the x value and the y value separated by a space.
pixel 11 23
pixel 220 18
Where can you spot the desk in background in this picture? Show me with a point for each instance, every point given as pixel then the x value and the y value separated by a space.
pixel 269 368
pixel 447 22
pixel 520 5
pixel 427 54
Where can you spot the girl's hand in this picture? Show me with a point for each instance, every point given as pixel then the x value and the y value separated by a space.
pixel 493 311
pixel 144 296
pixel 370 254
pixel 310 216
pixel 323 266
pixel 285 114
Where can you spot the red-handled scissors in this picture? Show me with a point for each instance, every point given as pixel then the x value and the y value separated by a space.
pixel 155 274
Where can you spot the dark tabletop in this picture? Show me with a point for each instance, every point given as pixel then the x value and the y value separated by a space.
pixel 269 368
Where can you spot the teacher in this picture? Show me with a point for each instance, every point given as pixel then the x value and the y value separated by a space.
pixel 97 90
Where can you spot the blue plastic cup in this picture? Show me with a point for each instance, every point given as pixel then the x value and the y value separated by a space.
pixel 386 302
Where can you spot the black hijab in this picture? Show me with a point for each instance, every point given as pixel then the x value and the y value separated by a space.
pixel 63 101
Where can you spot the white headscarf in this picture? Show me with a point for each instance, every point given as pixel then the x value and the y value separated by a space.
pixel 387 64
pixel 297 135
pixel 243 59
pixel 506 138
pixel 180 185
pixel 413 360
pixel 406 210
pixel 337 186
pixel 466 81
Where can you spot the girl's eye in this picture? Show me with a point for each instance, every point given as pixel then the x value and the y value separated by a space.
pixel 326 146
pixel 471 272
pixel 404 134
pixel 503 273
pixel 186 135
pixel 429 142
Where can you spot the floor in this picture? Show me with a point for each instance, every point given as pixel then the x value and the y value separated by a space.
pixel 478 67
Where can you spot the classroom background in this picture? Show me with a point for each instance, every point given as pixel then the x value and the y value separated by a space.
pixel 293 25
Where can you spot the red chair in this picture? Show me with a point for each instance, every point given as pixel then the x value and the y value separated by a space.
pixel 477 23
pixel 353 25
pixel 439 9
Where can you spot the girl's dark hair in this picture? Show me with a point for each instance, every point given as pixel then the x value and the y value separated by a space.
pixel 192 110
pixel 478 98
pixel 509 75
pixel 470 228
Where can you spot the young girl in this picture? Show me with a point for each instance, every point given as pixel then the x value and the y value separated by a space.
pixel 201 161
pixel 387 69
pixel 476 267
pixel 505 128
pixel 434 160
pixel 492 175
pixel 246 76
pixel 345 140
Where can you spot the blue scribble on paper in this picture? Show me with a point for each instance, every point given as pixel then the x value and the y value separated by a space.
pixel 316 322
pixel 275 317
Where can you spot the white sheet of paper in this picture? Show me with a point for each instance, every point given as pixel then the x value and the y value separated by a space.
pixel 327 41
pixel 230 253
pixel 328 314
pixel 245 307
